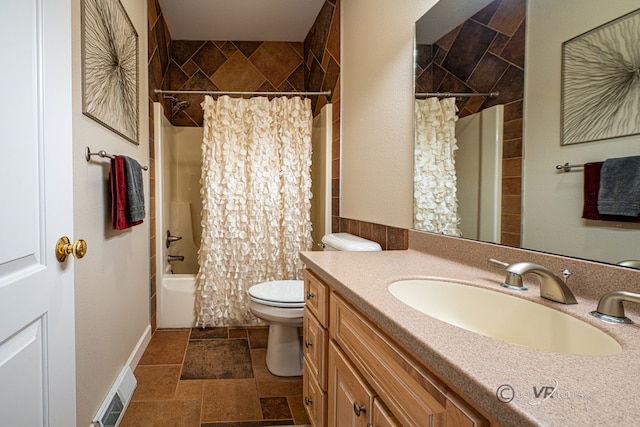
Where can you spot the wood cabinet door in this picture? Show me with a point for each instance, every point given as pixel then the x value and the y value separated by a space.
pixel 399 381
pixel 350 398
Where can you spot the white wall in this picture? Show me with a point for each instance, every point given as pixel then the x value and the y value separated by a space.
pixel 112 281
pixel 553 201
pixel 377 109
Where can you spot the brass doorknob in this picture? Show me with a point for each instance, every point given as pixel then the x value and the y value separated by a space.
pixel 64 248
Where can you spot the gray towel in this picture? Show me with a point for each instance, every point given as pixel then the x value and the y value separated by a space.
pixel 620 187
pixel 135 189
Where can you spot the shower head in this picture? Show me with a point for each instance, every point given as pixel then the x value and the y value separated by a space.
pixel 177 105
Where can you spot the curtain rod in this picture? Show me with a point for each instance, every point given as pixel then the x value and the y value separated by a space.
pixel 457 95
pixel 222 92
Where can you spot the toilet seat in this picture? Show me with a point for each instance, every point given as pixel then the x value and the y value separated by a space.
pixel 279 293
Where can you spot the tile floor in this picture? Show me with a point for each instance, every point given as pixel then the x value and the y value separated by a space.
pixel 214 377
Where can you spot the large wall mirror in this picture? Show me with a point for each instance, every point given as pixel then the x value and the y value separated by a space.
pixel 508 138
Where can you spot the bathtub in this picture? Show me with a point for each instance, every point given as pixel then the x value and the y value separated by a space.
pixel 176 300
pixel 175 293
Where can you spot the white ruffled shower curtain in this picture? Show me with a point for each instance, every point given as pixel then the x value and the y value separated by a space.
pixel 435 203
pixel 256 191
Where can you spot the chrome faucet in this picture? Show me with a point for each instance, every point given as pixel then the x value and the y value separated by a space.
pixel 633 263
pixel 551 286
pixel 610 306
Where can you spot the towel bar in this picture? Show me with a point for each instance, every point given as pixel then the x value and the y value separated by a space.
pixel 567 167
pixel 103 154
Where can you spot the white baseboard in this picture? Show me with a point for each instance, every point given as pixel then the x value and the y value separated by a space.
pixel 139 349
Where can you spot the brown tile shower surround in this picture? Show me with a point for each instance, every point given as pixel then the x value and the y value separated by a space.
pixel 312 65
pixel 486 54
pixel 214 377
pixel 233 66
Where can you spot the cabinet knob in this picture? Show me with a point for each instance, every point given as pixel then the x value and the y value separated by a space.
pixel 358 409
pixel 310 295
pixel 308 401
pixel 308 343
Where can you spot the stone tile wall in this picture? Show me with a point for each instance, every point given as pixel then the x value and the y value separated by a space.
pixel 230 66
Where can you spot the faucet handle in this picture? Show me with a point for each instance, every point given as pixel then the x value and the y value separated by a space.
pixel 565 275
pixel 512 280
pixel 170 239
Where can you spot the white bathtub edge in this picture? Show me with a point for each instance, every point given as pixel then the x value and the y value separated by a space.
pixel 176 301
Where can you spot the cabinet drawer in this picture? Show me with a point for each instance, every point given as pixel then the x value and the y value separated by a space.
pixel 394 377
pixel 315 400
pixel 316 297
pixel 315 346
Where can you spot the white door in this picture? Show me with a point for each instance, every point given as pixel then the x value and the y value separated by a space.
pixel 37 377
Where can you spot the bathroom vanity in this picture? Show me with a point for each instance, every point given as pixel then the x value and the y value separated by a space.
pixel 356 374
pixel 369 359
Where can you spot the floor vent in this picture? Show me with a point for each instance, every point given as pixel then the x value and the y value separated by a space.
pixel 112 409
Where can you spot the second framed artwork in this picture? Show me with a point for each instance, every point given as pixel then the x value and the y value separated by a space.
pixel 601 82
pixel 110 79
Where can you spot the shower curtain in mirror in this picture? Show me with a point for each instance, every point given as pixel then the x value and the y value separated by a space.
pixel 435 204
pixel 256 191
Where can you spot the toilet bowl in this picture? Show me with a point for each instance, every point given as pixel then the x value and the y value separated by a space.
pixel 281 303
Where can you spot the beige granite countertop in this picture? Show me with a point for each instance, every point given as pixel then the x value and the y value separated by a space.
pixel 598 391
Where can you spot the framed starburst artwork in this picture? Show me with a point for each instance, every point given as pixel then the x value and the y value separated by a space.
pixel 601 82
pixel 110 67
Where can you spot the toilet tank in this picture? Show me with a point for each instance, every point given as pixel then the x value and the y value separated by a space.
pixel 348 242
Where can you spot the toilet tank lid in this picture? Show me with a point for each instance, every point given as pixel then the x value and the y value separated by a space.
pixel 349 242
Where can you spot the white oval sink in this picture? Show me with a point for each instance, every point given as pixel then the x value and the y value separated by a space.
pixel 504 317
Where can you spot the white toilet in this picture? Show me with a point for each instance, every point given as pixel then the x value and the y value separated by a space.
pixel 281 303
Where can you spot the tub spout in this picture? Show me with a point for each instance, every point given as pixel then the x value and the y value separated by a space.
pixel 172 258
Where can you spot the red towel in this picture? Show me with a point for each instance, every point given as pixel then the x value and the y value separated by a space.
pixel 591 190
pixel 118 186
